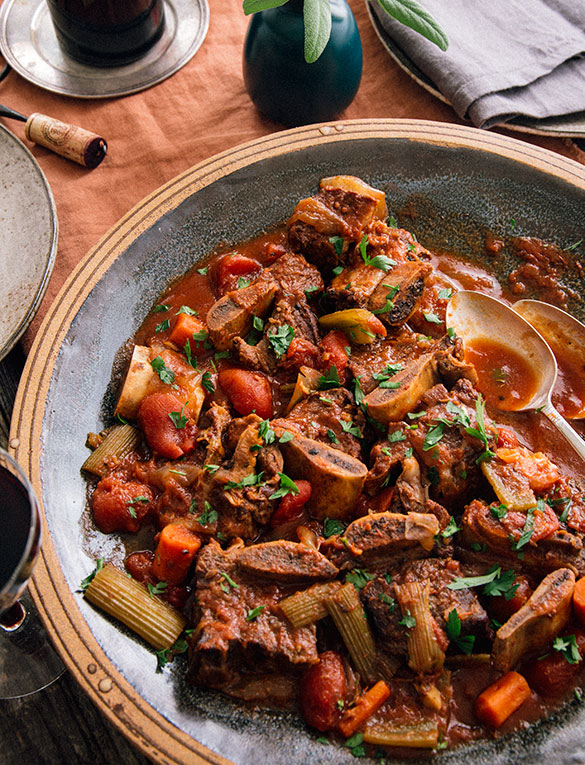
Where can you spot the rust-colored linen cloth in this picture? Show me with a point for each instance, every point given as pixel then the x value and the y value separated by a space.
pixel 201 110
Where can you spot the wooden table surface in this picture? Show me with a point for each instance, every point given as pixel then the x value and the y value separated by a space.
pixel 153 136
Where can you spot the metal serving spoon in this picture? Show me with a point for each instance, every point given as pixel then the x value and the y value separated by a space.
pixel 475 317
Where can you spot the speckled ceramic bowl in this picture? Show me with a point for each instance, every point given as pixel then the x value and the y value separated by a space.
pixel 457 182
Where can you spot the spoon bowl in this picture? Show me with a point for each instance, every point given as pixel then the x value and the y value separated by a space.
pixel 476 317
pixel 565 336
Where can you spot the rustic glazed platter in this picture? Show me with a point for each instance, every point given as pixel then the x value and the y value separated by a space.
pixel 452 184
pixel 28 238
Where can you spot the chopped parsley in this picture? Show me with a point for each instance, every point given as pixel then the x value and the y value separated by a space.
pixel 332 437
pixel 329 380
pixel 162 326
pixel 178 418
pixel 433 436
pixel 388 600
pixel 464 643
pixel 527 530
pixel 480 432
pixel 209 515
pixel 203 271
pixel 258 323
pixel 281 339
pixel 567 646
pixel 394 438
pixel 499 511
pixel 207 382
pixel 445 294
pixel 337 270
pixel 253 479
pixel 287 486
pixel 211 468
pixel 190 360
pixel 156 589
pixel 432 318
pixel 266 433
pixel 494 583
pixel 408 620
pixel 351 428
pixel 161 308
pixel 286 437
pixel 391 221
pixel 186 309
pixel 359 577
pixel 383 262
pixel 254 613
pixel 99 564
pixel 332 527
pixel 574 246
pixel 357 391
pixel 229 580
pixel 389 371
pixel 165 374
pixel 242 282
pixel 337 242
pixel 355 744
pixel 450 529
pixel 201 337
pixel 166 654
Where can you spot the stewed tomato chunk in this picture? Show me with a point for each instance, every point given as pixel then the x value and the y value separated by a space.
pixel 323 691
pixel 166 427
pixel 247 391
pixel 120 505
pixel 233 270
pixel 291 505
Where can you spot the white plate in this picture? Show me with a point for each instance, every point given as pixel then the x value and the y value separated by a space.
pixel 28 238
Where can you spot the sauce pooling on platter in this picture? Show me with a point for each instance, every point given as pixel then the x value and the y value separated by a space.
pixel 344 527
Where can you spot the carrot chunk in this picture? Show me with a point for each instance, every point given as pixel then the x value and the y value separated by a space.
pixel 184 328
pixel 499 700
pixel 579 600
pixel 176 550
pixel 365 707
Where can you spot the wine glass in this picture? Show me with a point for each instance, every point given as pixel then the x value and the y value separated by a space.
pixel 28 662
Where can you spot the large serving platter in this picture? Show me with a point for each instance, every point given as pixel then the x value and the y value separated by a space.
pixel 450 185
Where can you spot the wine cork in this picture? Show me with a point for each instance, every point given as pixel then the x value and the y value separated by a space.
pixel 75 143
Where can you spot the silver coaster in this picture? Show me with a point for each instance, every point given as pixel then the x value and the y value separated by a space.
pixel 29 44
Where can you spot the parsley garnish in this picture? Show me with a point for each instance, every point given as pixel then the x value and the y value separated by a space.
pixel 137 499
pixel 229 580
pixel 359 577
pixel 266 433
pixel 332 526
pixel 211 468
pixel 203 271
pixel 287 486
pixel 445 294
pixel 433 436
pixel 254 613
pixel 99 564
pixel 480 431
pixel 337 270
pixel 160 308
pixel 207 382
pixel 391 221
pixel 162 326
pixel 165 374
pixel 387 600
pixel 349 427
pixel 355 743
pixel 465 644
pixel 499 511
pixel 190 360
pixel 568 647
pixel 281 339
pixel 201 338
pixel 382 262
pixel 329 380
pixel 432 318
pixel 451 528
pixel 187 310
pixel 286 437
pixel 394 438
pixel 208 516
pixel 495 583
pixel 408 620
pixel 389 371
pixel 574 246
pixel 357 391
pixel 166 654
pixel 258 323
pixel 253 479
pixel 332 437
pixel 337 242
pixel 527 530
pixel 242 282
pixel 178 418
pixel 156 589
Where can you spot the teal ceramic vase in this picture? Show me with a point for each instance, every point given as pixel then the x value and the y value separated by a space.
pixel 282 85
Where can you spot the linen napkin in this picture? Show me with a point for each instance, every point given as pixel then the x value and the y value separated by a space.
pixel 506 58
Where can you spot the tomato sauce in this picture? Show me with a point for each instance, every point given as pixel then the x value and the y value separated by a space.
pixel 505 378
pixel 569 391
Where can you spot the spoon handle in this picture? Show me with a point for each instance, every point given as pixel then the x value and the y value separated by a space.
pixel 563 426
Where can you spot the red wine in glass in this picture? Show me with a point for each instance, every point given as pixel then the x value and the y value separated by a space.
pixel 28 662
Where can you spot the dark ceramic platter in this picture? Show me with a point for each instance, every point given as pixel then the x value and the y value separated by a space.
pixel 461 183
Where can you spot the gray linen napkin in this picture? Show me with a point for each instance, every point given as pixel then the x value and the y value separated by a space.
pixel 506 58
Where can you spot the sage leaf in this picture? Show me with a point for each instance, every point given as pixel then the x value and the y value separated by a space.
pixel 412 15
pixel 317 20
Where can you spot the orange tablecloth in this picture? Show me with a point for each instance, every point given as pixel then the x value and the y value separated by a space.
pixel 199 111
